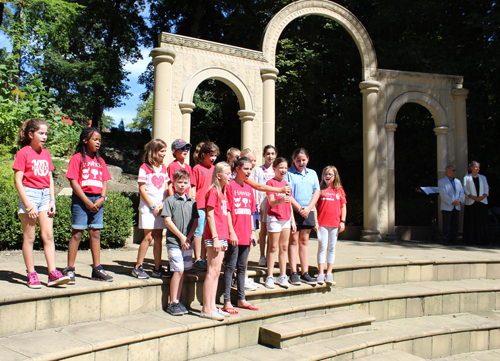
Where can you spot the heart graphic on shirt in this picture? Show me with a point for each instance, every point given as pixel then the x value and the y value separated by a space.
pixel 157 181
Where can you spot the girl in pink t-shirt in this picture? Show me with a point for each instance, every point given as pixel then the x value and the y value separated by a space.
pixel 153 180
pixel 279 222
pixel 33 180
pixel 241 200
pixel 332 212
pixel 205 156
pixel 88 176
pixel 217 232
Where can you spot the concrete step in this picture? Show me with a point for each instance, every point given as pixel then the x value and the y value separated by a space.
pixel 150 332
pixel 403 340
pixel 391 355
pixel 86 304
pixel 426 337
pixel 490 355
pixel 263 294
pixel 289 333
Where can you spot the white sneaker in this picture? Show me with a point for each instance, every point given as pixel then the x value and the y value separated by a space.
pixel 249 286
pixel 262 261
pixel 320 279
pixel 270 282
pixel 255 284
pixel 329 279
pixel 283 281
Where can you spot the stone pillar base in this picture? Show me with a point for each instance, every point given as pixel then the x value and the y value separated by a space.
pixel 370 236
pixel 391 237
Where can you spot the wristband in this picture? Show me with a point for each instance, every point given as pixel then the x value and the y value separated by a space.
pixel 29 209
pixel 215 237
pixel 342 221
pixel 52 199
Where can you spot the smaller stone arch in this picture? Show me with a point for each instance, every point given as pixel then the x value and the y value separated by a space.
pixel 246 113
pixel 227 77
pixel 431 104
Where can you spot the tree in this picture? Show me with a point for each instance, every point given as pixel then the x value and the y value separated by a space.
pixel 144 117
pixel 79 48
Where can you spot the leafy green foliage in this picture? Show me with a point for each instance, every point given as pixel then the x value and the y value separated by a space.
pixel 118 222
pixel 144 117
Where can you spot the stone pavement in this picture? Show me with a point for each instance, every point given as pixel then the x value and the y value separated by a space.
pixel 349 254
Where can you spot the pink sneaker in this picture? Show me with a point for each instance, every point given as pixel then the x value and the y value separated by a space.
pixel 33 281
pixel 57 278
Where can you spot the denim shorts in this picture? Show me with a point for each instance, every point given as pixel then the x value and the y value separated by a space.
pixel 82 217
pixel 40 198
pixel 200 229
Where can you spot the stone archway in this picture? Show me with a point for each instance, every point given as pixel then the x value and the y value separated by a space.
pixel 241 90
pixel 327 9
pixel 441 130
pixel 181 63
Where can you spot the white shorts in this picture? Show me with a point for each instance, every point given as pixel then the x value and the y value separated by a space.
pixel 176 259
pixel 263 211
pixel 275 226
pixel 147 220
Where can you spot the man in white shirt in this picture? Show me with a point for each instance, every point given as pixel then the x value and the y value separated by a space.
pixel 452 195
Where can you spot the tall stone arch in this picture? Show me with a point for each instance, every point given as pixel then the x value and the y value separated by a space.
pixel 327 9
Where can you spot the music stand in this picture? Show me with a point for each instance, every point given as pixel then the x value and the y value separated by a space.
pixel 433 191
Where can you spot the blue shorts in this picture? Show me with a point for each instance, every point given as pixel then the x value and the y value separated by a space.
pixel 40 198
pixel 202 219
pixel 81 217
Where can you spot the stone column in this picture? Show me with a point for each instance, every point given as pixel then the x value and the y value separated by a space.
pixel 370 232
pixel 459 96
pixel 442 150
pixel 390 128
pixel 269 76
pixel 442 162
pixel 246 117
pixel 162 93
pixel 186 110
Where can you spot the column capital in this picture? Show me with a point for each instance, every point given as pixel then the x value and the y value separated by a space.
pixel 441 130
pixel 368 87
pixel 186 108
pixel 160 55
pixel 246 114
pixel 269 73
pixel 459 93
pixel 390 127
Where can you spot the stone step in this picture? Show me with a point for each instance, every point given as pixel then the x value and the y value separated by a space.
pixel 263 294
pixel 426 337
pixel 127 335
pixel 403 340
pixel 490 355
pixel 391 355
pixel 84 303
pixel 289 333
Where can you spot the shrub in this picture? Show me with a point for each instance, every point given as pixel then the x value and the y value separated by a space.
pixel 11 234
pixel 118 222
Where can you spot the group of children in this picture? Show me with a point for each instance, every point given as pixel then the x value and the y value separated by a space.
pixel 217 204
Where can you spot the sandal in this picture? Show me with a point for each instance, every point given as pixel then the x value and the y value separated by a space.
pixel 230 310
pixel 250 307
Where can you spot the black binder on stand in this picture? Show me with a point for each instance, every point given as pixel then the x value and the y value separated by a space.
pixel 433 192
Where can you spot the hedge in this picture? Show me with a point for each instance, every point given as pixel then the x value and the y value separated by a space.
pixel 118 222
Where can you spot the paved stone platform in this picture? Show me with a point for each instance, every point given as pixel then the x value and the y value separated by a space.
pixel 119 262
